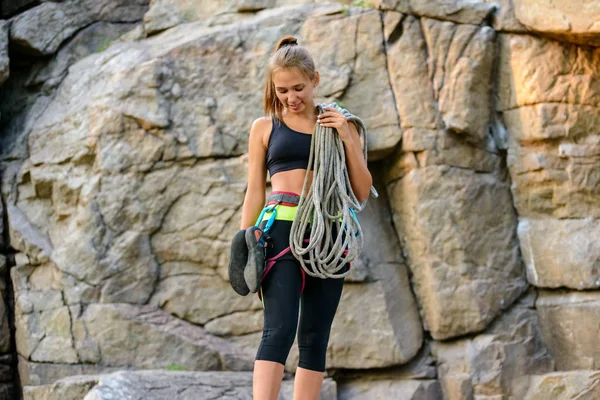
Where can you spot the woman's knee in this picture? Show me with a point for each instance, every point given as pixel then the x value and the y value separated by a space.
pixel 313 350
pixel 276 343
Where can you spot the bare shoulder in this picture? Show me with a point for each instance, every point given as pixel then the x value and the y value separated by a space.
pixel 261 130
pixel 262 122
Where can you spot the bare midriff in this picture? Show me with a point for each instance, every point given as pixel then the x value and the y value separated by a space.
pixel 290 181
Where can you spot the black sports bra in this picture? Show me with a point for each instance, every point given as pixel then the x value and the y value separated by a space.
pixel 288 149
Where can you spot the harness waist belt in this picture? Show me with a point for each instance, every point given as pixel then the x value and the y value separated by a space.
pixel 284 213
pixel 286 198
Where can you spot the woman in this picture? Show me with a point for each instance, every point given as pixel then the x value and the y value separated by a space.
pixel 280 143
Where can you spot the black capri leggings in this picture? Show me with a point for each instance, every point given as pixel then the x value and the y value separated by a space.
pixel 281 291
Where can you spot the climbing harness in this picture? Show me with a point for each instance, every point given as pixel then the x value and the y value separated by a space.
pixel 281 206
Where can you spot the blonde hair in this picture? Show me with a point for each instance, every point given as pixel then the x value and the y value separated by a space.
pixel 288 54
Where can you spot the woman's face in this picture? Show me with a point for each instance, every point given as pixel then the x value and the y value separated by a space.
pixel 294 90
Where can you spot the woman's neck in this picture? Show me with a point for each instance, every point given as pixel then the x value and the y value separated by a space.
pixel 310 114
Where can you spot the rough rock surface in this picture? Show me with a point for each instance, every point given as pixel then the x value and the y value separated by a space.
pixel 575 20
pixel 440 72
pixel 464 277
pixel 159 385
pixel 53 326
pixel 92 39
pixel 569 324
pixel 380 319
pixel 498 361
pixel 407 66
pixel 391 389
pixel 41 30
pixel 553 150
pixel 164 14
pixel 561 252
pixel 581 385
pixel 460 66
pixel 123 133
pixel 459 11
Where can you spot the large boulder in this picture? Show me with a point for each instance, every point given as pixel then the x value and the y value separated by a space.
pixel 159 385
pixel 407 65
pixel 383 311
pixel 94 38
pixel 566 74
pixel 390 389
pixel 569 324
pixel 498 362
pixel 56 323
pixel 458 227
pixel 165 14
pixel 42 29
pixel 460 62
pixel 473 12
pixel 561 252
pixel 441 74
pixel 575 20
pixel 447 180
pixel 549 98
pixel 548 149
pixel 33 81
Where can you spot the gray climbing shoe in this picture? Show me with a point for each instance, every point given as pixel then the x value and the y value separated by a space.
pixel 238 259
pixel 256 258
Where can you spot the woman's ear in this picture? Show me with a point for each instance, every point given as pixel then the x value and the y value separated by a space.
pixel 317 79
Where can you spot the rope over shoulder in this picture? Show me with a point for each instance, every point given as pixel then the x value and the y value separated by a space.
pixel 329 206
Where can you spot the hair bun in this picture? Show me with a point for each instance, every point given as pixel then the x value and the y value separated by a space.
pixel 286 41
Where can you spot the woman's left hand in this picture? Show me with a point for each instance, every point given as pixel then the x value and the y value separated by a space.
pixel 333 118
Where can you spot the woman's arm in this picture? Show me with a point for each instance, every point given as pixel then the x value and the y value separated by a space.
pixel 360 177
pixel 254 200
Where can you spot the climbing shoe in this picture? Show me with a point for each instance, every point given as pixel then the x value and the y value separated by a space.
pixel 256 257
pixel 238 259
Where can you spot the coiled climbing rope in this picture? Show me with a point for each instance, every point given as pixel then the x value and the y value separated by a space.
pixel 329 208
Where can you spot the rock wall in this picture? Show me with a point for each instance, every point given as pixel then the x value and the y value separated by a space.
pixel 122 150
